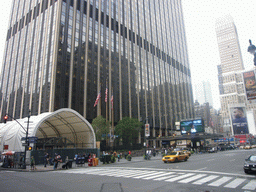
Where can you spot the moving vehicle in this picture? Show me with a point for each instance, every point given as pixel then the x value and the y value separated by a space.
pixel 250 164
pixel 175 156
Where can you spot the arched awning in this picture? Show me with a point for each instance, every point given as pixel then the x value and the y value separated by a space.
pixel 65 123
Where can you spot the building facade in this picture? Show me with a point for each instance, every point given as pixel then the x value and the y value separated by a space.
pixel 63 53
pixel 230 71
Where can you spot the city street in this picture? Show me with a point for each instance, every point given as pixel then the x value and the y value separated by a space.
pixel 222 171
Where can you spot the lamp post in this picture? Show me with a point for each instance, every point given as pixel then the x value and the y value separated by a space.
pixel 252 50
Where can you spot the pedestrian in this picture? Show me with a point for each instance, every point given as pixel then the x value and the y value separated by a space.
pixel 118 157
pixel 46 159
pixel 32 163
pixel 55 162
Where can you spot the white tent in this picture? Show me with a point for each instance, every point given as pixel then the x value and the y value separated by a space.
pixel 65 123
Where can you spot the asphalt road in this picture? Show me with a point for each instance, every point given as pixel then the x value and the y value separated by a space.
pixel 222 171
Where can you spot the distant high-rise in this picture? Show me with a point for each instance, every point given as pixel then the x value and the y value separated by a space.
pixel 203 93
pixel 229 48
pixel 62 53
pixel 230 77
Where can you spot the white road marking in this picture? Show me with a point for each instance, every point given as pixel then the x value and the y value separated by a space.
pixel 163 178
pixel 201 168
pixel 160 175
pixel 172 176
pixel 251 185
pixel 206 179
pixel 180 177
pixel 235 183
pixel 192 178
pixel 220 181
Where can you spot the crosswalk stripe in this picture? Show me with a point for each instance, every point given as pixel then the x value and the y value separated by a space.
pixel 139 174
pixel 160 175
pixel 180 177
pixel 164 178
pixel 251 185
pixel 220 181
pixel 149 174
pixel 206 179
pixel 192 178
pixel 235 183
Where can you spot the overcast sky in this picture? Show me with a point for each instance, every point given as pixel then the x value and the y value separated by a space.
pixel 200 17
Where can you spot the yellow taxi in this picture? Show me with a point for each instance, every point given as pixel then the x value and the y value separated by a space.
pixel 187 152
pixel 175 156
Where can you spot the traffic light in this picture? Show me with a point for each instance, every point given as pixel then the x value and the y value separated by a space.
pixel 29 148
pixel 5 118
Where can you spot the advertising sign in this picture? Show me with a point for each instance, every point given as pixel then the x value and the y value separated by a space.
pixel 177 125
pixel 239 120
pixel 192 126
pixel 147 130
pixel 250 85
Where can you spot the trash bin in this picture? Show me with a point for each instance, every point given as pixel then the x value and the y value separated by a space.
pixel 70 163
pixel 90 162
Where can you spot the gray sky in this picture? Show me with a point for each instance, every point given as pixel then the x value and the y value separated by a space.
pixel 200 17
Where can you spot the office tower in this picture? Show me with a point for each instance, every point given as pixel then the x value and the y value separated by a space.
pixel 230 75
pixel 63 53
pixel 229 48
pixel 203 93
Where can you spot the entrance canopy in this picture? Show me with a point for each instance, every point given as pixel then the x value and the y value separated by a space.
pixel 65 123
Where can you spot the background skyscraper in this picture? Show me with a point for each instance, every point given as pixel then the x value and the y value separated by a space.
pixel 203 93
pixel 61 53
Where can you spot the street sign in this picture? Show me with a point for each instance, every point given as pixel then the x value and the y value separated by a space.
pixel 24 144
pixel 30 139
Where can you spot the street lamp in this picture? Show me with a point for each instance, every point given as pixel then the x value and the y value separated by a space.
pixel 252 50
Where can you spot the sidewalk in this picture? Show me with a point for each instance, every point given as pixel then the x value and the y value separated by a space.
pixel 41 168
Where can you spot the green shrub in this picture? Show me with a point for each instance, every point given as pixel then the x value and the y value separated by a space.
pixel 113 159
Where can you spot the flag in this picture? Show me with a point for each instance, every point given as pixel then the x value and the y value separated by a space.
pixel 112 101
pixel 97 99
pixel 106 95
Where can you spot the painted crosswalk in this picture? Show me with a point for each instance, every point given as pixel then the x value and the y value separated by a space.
pixel 213 180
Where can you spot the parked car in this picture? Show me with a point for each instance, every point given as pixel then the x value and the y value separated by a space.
pixel 250 164
pixel 175 156
pixel 241 147
pixel 253 146
pixel 213 150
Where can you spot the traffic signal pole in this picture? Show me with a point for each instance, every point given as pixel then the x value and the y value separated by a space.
pixel 26 131
pixel 25 155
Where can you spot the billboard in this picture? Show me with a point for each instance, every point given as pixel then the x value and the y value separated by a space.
pixel 239 120
pixel 250 85
pixel 192 126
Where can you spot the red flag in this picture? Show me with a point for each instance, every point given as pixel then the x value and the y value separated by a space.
pixel 97 99
pixel 106 95
pixel 112 101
